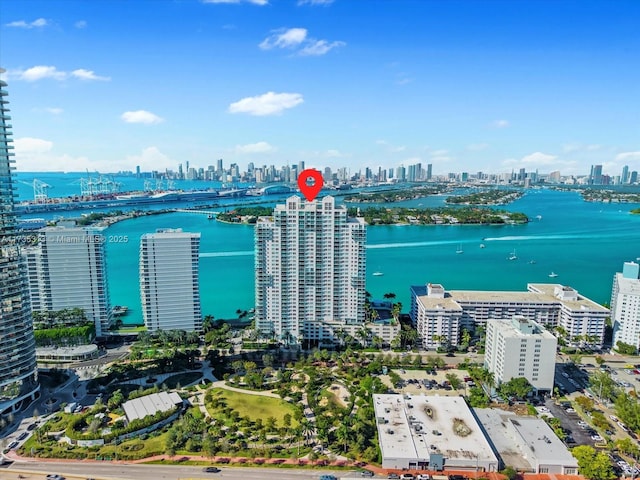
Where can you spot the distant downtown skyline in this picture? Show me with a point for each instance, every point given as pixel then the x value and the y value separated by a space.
pixel 466 86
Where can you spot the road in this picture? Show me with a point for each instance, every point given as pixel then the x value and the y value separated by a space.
pixel 98 471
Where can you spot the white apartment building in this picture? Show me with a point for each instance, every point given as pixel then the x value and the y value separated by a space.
pixel 169 284
pixel 67 269
pixel 625 305
pixel 437 313
pixel 521 348
pixel 309 270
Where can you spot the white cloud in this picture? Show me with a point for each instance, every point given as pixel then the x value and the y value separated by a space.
pixel 319 47
pixel 29 145
pixel 439 153
pixel 500 124
pixel 403 79
pixel 315 2
pixel 477 147
pixel 254 2
pixel 151 158
pixel 37 155
pixel 259 147
pixel 269 103
pixel 538 158
pixel 578 147
pixel 282 38
pixel 141 116
pixel 627 156
pixel 80 24
pixel 333 153
pixel 293 38
pixel 38 23
pixel 54 110
pixel 40 72
pixel 391 148
pixel 83 74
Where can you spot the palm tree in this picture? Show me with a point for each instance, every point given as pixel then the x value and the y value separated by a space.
pixel 389 296
pixel 343 435
pixel 307 430
pixel 364 334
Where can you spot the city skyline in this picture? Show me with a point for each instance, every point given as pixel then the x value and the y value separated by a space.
pixel 461 85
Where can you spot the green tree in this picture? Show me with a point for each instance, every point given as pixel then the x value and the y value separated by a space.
pixel 626 349
pixel 454 380
pixel 518 387
pixel 510 472
pixel 593 465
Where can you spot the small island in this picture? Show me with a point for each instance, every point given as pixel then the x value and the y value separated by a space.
pixel 245 215
pixel 397 195
pixel 486 197
pixel 438 216
pixel 609 196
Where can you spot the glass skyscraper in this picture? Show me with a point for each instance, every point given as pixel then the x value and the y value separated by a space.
pixel 18 373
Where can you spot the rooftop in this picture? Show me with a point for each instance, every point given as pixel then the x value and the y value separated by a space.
pixel 628 286
pixel 524 442
pixel 520 326
pixel 150 405
pixel 539 294
pixel 415 426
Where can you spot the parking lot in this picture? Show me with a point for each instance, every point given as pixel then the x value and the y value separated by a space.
pixel 416 382
pixel 569 421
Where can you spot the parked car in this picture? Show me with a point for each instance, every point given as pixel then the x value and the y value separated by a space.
pixel 366 473
pixel 211 469
pixel 393 476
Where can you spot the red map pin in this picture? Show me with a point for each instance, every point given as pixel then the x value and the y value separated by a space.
pixel 310 190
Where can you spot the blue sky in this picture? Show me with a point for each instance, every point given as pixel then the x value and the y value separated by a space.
pixel 464 85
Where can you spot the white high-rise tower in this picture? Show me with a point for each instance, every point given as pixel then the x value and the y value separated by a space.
pixel 625 305
pixel 309 270
pixel 169 288
pixel 67 269
pixel 18 373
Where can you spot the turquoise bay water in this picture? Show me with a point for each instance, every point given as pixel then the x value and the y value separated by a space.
pixel 584 243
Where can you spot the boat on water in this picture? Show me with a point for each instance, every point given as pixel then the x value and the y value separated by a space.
pixel 210 217
pixel 513 256
pixel 119 310
pixel 459 250
pixel 378 274
pixel 539 217
pixel 482 245
pixel 553 275
pixel 531 262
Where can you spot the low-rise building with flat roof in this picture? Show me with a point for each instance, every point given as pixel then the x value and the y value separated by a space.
pixel 526 443
pixel 421 432
pixel 150 405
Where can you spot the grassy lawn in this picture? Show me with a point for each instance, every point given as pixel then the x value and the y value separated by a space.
pixel 256 406
pixel 182 378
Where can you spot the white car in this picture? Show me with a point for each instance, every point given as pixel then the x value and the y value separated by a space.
pixel 571 410
pixel 596 438
pixel 543 409
pixel 614 418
